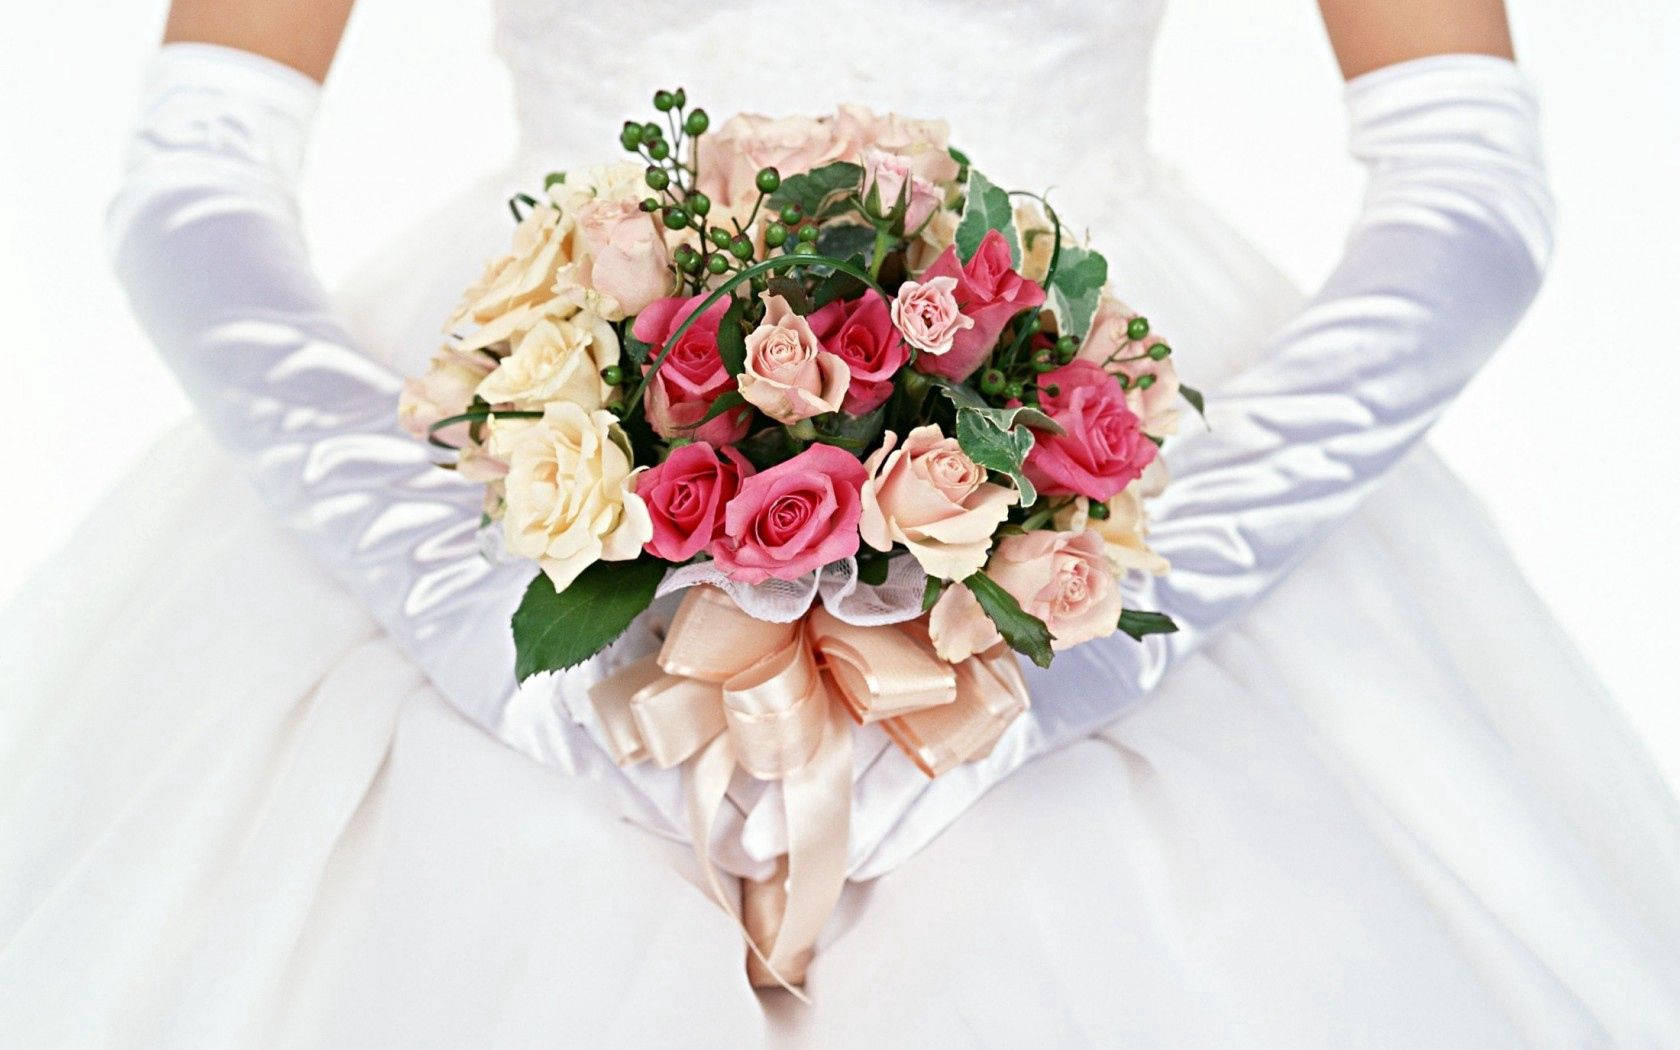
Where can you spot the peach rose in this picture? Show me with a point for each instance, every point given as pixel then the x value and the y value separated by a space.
pixel 555 361
pixel 926 313
pixel 570 497
pixel 732 155
pixel 622 255
pixel 1064 579
pixel 958 627
pixel 887 176
pixel 931 497
pixel 925 142
pixel 789 376
pixel 445 390
pixel 1155 400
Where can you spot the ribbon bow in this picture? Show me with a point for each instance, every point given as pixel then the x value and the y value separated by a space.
pixel 776 700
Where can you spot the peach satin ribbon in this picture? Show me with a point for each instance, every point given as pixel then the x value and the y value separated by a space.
pixel 727 691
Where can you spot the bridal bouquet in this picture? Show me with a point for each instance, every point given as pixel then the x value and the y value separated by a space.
pixel 889 413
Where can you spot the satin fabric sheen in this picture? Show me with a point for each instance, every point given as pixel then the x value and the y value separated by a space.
pixel 1382 807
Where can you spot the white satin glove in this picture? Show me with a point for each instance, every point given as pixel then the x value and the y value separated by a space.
pixel 1445 257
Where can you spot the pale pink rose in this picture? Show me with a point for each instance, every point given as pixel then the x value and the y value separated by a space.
pixel 623 254
pixel 888 175
pixel 935 500
pixel 445 390
pixel 860 332
pixel 686 496
pixel 789 376
pixel 926 142
pixel 692 377
pixel 732 155
pixel 959 627
pixel 926 313
pixel 1064 579
pixel 1102 447
pixel 1155 401
pixel 793 518
pixel 989 293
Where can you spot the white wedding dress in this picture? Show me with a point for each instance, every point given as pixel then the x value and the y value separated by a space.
pixel 1385 807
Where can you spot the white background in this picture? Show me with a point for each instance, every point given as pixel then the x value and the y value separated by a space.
pixel 1570 435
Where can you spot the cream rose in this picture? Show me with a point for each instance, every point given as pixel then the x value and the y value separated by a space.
pixel 555 361
pixel 1064 579
pixel 931 497
pixel 1038 240
pixel 958 627
pixel 525 276
pixel 570 500
pixel 789 376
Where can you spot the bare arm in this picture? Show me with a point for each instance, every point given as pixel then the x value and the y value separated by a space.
pixel 304 34
pixel 1371 34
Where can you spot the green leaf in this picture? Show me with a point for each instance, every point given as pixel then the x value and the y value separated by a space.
pixel 791 290
pixel 732 344
pixel 838 284
pixel 844 241
pixel 931 592
pixel 554 630
pixel 1076 289
pixel 813 189
pixel 636 350
pixel 1025 634
pixel 962 162
pixel 987 209
pixel 724 402
pixel 873 566
pixel 1194 396
pixel 1138 623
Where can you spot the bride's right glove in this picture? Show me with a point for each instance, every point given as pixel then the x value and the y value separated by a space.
pixel 1445 257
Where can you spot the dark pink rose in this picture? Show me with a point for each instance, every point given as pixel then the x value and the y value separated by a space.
pixel 1103 449
pixel 686 496
pixel 989 293
pixel 861 333
pixel 793 518
pixel 692 377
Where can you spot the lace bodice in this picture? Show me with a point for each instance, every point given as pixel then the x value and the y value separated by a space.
pixel 1031 91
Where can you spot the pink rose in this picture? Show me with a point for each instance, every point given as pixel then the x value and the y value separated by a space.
pixel 989 293
pixel 1102 448
pixel 686 496
pixel 1154 400
pixel 789 375
pixel 623 253
pixel 926 143
pixel 793 518
pixel 692 377
pixel 888 175
pixel 732 155
pixel 931 497
pixel 926 313
pixel 861 334
pixel 445 390
pixel 1064 579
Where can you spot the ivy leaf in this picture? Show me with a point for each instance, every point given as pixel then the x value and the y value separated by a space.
pixel 845 240
pixel 997 445
pixel 1138 623
pixel 554 630
pixel 1076 289
pixel 987 209
pixel 811 190
pixel 636 350
pixel 1025 634
pixel 962 162
pixel 1194 396
pixel 732 345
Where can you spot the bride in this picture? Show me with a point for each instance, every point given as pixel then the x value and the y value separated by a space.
pixel 259 792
